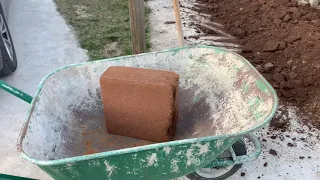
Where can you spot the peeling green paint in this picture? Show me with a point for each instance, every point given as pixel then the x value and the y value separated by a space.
pixel 174 52
pixel 245 87
pixel 261 86
pixel 253 104
pixel 196 99
pixel 220 51
pixel 235 67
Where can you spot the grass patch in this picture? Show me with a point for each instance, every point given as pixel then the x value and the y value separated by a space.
pixel 102 26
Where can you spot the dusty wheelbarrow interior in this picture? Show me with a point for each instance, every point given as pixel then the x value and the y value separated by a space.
pixel 220 94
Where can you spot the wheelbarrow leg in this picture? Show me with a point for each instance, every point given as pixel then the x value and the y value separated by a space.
pixel 229 162
pixel 219 173
pixel 16 92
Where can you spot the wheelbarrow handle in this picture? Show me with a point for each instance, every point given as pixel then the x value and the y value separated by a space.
pixel 239 159
pixel 16 92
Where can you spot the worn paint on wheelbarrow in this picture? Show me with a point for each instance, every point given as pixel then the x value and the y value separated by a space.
pixel 221 99
pixel 156 163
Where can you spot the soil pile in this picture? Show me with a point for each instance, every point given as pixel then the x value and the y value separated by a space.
pixel 280 38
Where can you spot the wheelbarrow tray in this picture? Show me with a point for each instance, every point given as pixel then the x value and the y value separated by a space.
pixel 221 98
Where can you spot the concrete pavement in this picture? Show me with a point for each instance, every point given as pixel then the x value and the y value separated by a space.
pixel 43 43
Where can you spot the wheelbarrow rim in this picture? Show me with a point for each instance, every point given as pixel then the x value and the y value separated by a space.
pixel 146 147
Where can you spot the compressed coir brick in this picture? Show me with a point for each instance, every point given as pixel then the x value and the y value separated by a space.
pixel 140 103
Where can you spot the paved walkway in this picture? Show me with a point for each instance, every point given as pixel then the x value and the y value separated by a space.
pixel 43 43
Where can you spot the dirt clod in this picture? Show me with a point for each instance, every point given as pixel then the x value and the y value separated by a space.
pixel 301 157
pixel 292 75
pixel 286 18
pixel 293 38
pixel 273 152
pixel 265 164
pixel 278 77
pixel 271 46
pixel 169 22
pixel 273 137
pixel 268 67
pixel 290 144
pixel 282 45
pixel 243 174
pixel 284 93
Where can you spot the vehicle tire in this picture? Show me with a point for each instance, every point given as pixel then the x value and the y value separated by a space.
pixel 8 54
pixel 220 173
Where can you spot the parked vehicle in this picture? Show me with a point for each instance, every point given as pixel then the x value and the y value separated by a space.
pixel 8 58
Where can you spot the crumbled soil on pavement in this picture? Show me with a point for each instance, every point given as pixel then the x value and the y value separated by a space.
pixel 273 137
pixel 281 39
pixel 290 144
pixel 265 164
pixel 273 152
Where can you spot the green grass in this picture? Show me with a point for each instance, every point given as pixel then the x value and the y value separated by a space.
pixel 98 23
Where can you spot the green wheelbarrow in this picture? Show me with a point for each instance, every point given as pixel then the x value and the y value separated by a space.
pixel 222 99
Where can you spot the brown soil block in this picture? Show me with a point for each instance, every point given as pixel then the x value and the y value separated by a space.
pixel 281 39
pixel 140 103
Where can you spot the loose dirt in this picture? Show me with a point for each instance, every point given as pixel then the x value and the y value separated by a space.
pixel 280 38
pixel 273 152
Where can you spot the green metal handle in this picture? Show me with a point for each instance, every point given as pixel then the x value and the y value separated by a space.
pixel 16 92
pixel 239 159
pixel 9 177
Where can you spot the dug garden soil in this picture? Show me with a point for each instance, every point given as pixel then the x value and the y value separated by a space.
pixel 280 38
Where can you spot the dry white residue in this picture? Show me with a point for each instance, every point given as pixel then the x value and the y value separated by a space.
pixel 69 166
pixel 290 114
pixel 109 168
pixel 178 153
pixel 95 163
pixel 195 153
pixel 174 165
pixel 219 143
pixel 214 75
pixel 192 158
pixel 134 156
pixel 152 160
pixel 167 150
pixel 202 148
